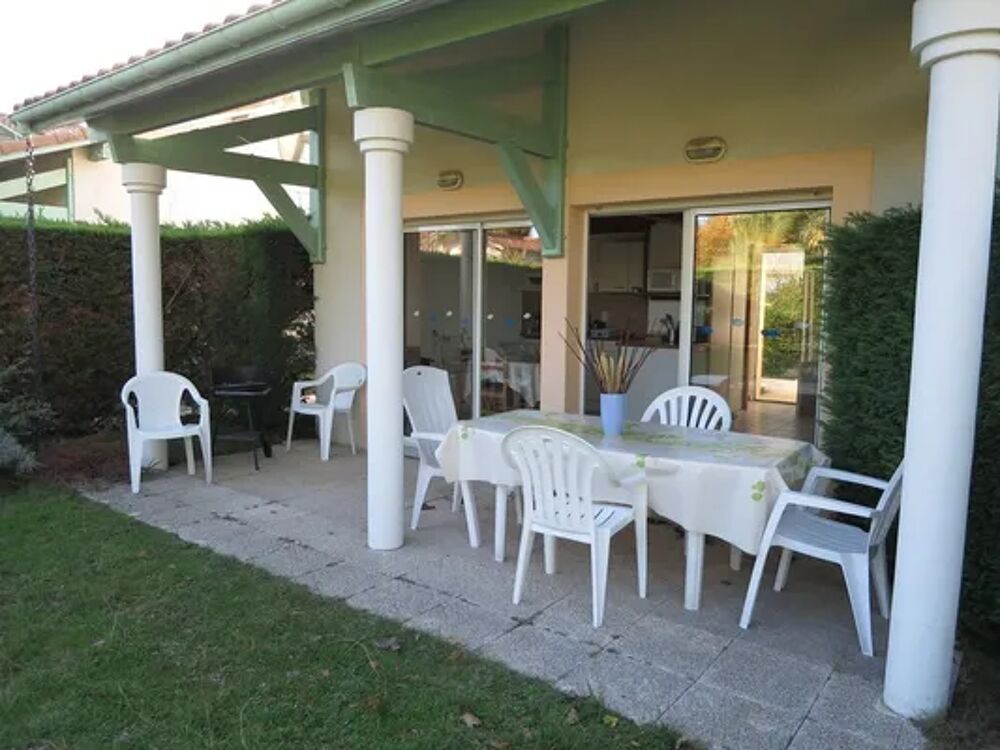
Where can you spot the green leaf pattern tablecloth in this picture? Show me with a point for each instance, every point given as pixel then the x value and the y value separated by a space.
pixel 719 483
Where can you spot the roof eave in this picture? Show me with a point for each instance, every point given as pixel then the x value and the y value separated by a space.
pixel 266 31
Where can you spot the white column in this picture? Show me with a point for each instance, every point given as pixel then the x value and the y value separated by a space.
pixel 959 41
pixel 144 183
pixel 384 135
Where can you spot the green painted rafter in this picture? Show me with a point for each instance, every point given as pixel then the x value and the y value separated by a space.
pixel 204 151
pixel 438 99
pixel 18 187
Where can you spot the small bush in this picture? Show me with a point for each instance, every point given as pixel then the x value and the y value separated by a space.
pixel 871 287
pixel 21 416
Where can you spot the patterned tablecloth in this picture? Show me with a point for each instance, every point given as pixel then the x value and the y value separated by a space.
pixel 723 484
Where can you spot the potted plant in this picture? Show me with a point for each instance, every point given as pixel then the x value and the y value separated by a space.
pixel 613 367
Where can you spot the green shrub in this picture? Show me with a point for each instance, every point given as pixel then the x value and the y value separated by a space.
pixel 871 284
pixel 21 416
pixel 231 295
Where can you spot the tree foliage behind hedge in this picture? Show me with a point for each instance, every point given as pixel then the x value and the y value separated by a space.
pixel 231 295
pixel 871 288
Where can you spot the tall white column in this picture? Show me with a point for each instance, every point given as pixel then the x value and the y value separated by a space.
pixel 959 41
pixel 144 183
pixel 384 135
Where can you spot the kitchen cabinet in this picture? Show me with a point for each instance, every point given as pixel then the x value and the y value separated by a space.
pixel 617 263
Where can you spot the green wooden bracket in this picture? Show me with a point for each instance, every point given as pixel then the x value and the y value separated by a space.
pixel 435 106
pixel 545 199
pixel 205 151
pixel 18 187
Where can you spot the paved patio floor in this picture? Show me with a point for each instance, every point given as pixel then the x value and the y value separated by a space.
pixel 795 679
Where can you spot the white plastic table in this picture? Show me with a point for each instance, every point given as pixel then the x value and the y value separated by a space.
pixel 722 484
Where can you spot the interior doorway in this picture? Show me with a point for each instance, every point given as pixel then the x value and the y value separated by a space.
pixel 755 333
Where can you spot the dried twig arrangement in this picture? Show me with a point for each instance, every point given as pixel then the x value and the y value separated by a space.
pixel 612 371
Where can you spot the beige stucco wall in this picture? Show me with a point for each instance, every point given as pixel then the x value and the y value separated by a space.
pixel 812 99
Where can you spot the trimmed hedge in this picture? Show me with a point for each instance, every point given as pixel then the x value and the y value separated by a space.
pixel 237 294
pixel 871 285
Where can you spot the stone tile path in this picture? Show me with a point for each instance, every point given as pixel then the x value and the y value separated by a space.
pixel 795 679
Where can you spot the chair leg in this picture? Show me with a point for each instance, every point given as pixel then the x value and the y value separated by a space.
pixel 424 477
pixel 735 558
pixel 550 553
pixel 189 455
pixel 523 558
pixel 206 453
pixel 784 564
pixel 880 577
pixel 642 553
pixel 519 505
pixel 456 496
pixel 135 464
pixel 350 431
pixel 754 587
pixel 471 515
pixel 600 549
pixel 291 427
pixel 500 523
pixel 856 577
pixel 325 430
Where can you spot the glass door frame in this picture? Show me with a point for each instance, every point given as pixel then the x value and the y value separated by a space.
pixel 687 281
pixel 478 229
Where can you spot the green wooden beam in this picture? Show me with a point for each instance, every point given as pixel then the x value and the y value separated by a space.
pixel 491 77
pixel 125 148
pixel 536 202
pixel 293 216
pixel 545 199
pixel 241 133
pixel 436 107
pixel 317 156
pixel 315 65
pixel 43 181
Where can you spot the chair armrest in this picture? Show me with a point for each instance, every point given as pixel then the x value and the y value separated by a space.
pixel 847 477
pixel 633 479
pixel 819 502
pixel 204 411
pixel 437 437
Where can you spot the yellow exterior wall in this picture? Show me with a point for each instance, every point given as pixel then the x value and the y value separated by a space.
pixel 812 98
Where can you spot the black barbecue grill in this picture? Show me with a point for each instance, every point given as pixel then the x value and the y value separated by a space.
pixel 246 387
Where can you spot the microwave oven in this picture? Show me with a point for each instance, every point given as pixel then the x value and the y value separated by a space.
pixel 659 280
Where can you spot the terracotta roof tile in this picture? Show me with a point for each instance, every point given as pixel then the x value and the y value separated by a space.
pixel 67 134
pixel 152 52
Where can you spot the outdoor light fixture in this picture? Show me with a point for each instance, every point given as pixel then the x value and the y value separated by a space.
pixel 705 150
pixel 450 179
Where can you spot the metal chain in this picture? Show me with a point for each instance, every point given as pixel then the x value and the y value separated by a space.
pixel 32 251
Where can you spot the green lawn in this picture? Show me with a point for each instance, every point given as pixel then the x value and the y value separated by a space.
pixel 114 634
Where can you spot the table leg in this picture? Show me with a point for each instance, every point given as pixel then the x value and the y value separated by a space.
pixel 694 548
pixel 500 524
pixel 471 516
pixel 550 554
pixel 735 558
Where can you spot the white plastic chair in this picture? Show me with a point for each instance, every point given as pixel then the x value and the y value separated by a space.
pixel 703 409
pixel 430 408
pixel 157 416
pixel 797 526
pixel 690 406
pixel 557 479
pixel 334 394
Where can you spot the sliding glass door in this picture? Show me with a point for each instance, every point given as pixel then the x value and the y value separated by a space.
pixel 473 308
pixel 755 334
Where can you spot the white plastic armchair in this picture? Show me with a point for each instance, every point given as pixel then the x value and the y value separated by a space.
pixel 690 406
pixel 796 525
pixel 430 408
pixel 558 472
pixel 156 415
pixel 333 394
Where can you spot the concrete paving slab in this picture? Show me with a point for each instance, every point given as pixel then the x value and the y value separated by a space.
pixel 853 704
pixel 462 622
pixel 340 580
pixel 290 560
pixel 632 688
pixel 814 736
pixel 767 676
pixel 396 599
pixel 722 719
pixel 538 653
pixel 678 648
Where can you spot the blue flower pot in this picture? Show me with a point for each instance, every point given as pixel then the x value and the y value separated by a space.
pixel 613 408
